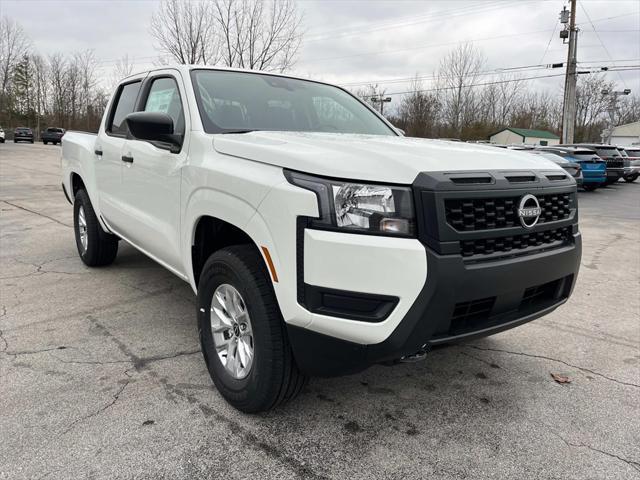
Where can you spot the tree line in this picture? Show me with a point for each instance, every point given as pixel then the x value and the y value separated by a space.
pixel 467 105
pixel 63 90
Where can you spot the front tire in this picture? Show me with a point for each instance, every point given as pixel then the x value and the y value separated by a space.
pixel 45 142
pixel 242 333
pixel 96 247
pixel 589 188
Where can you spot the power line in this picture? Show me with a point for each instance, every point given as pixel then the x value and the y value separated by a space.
pixel 600 39
pixel 408 21
pixel 492 71
pixel 497 82
pixel 433 45
pixel 550 39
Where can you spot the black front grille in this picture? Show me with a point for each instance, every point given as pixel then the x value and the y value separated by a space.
pixel 615 163
pixel 487 246
pixel 469 214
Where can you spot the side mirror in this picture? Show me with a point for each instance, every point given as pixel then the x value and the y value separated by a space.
pixel 154 127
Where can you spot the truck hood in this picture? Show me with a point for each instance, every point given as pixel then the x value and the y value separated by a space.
pixel 372 157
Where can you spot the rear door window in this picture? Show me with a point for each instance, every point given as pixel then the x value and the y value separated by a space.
pixel 125 104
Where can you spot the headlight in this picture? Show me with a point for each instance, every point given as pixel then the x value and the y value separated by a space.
pixel 359 207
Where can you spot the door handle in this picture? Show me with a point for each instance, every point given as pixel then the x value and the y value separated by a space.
pixel 127 159
pixel 98 152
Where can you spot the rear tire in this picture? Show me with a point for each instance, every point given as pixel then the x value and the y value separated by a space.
pixel 96 247
pixel 272 377
pixel 44 142
pixel 589 188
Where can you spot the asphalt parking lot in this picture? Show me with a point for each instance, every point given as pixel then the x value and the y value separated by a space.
pixel 101 375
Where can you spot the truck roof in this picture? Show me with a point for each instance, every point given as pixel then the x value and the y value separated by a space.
pixel 186 68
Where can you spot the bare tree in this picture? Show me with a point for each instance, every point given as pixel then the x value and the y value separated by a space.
pixel 86 63
pixel 459 70
pixel 122 69
pixel 40 73
pixel 14 45
pixel 417 113
pixel 591 106
pixel 257 34
pixel 184 31
pixel 57 67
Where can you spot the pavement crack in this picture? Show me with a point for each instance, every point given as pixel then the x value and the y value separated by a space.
pixel 138 362
pixel 544 357
pixel 142 362
pixel 37 213
pixel 105 407
pixel 272 451
pixel 16 353
pixel 595 260
pixel 631 463
pixel 4 342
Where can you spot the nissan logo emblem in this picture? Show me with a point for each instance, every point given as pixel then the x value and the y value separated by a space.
pixel 529 211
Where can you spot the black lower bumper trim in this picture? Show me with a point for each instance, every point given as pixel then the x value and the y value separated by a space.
pixel 459 301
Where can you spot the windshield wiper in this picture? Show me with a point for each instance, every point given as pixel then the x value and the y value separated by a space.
pixel 239 130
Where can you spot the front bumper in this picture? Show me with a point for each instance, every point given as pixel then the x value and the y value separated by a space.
pixel 445 286
pixel 614 174
pixel 457 302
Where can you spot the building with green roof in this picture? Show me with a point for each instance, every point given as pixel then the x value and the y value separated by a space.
pixel 510 135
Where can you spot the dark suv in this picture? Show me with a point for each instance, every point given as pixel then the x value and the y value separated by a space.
pixel 52 135
pixel 22 134
pixel 611 155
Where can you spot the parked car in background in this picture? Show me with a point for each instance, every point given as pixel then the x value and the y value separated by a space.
pixel 52 135
pixel 572 168
pixel 634 163
pixel 1 135
pixel 611 155
pixel 628 171
pixel 594 169
pixel 22 134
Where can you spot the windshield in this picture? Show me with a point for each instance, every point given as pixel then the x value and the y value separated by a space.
pixel 608 152
pixel 556 158
pixel 633 152
pixel 236 102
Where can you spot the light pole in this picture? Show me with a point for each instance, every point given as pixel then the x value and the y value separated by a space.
pixel 612 109
pixel 381 100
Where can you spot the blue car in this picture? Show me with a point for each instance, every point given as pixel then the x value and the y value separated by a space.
pixel 594 169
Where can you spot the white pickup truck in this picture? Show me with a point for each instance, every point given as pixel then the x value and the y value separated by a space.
pixel 318 239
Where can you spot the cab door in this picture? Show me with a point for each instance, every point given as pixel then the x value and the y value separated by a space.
pixel 108 155
pixel 152 174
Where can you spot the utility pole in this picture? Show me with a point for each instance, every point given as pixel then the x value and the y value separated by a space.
pixel 571 77
pixel 381 100
pixel 612 109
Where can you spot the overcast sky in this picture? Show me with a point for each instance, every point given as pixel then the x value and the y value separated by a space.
pixel 348 41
